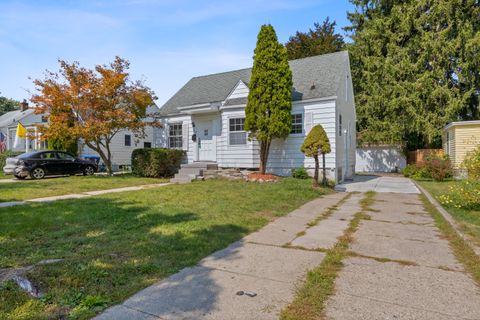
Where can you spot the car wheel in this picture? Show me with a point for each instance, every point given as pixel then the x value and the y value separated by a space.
pixel 37 173
pixel 88 171
pixel 19 177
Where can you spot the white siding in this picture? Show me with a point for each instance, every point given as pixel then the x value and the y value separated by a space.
pixel 285 155
pixel 121 154
pixel 346 108
pixel 240 91
pixel 162 135
pixel 236 156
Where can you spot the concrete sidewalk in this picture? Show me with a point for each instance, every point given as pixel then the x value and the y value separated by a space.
pixel 82 194
pixel 405 269
pixel 260 263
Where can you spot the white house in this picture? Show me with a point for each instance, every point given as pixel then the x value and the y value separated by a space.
pixel 27 117
pixel 206 118
pixel 122 145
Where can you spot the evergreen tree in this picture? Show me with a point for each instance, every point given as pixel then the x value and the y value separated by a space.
pixel 7 105
pixel 415 67
pixel 268 111
pixel 322 39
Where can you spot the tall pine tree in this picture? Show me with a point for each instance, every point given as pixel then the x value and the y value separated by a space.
pixel 415 67
pixel 268 111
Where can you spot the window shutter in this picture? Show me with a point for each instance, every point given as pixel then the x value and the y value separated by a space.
pixel 308 122
pixel 185 137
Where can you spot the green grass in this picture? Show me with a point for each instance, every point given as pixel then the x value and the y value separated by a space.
pixel 29 189
pixel 310 299
pixel 117 244
pixel 468 220
pixel 461 248
pixel 3 176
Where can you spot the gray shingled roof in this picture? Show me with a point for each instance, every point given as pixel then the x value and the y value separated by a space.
pixel 323 71
pixel 11 117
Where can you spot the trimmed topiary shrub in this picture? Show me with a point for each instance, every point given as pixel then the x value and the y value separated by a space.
pixel 156 163
pixel 316 143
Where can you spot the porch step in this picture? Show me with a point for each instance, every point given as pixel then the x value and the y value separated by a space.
pixel 192 171
pixel 183 177
pixel 201 165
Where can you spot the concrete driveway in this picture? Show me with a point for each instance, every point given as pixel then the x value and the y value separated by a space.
pixel 364 183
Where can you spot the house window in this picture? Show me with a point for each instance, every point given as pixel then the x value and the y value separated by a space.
pixel 147 144
pixel 128 140
pixel 238 136
pixel 44 119
pixel 297 123
pixel 340 125
pixel 175 136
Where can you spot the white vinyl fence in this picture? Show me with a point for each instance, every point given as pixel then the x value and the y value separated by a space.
pixel 380 159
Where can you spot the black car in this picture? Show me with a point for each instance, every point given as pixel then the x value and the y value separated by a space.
pixel 39 164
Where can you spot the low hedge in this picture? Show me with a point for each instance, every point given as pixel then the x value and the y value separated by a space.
pixel 156 163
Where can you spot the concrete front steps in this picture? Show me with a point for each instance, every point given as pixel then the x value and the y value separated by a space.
pixel 192 171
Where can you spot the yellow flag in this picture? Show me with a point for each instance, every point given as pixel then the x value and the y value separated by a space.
pixel 21 131
pixel 21 134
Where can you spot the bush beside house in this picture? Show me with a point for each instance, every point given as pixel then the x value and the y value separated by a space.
pixel 156 163
pixel 435 168
pixel 472 164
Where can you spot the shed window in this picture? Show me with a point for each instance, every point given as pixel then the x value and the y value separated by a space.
pixel 297 123
pixel 175 136
pixel 128 140
pixel 237 135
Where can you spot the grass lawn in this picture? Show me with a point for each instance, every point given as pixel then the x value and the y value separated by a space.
pixel 2 176
pixel 117 244
pixel 29 189
pixel 469 220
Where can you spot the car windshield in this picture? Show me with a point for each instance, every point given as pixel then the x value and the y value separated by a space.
pixel 28 155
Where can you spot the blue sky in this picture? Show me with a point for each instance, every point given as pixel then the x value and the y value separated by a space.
pixel 166 41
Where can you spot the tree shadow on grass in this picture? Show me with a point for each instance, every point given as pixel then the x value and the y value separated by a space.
pixel 112 249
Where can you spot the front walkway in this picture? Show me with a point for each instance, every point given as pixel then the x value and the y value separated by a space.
pixel 82 194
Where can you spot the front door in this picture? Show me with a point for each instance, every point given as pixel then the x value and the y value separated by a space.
pixel 206 140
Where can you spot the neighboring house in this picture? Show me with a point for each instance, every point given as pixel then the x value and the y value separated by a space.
pixel 380 158
pixel 27 117
pixel 122 144
pixel 459 138
pixel 206 118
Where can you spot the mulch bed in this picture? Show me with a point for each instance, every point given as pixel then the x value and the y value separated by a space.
pixel 258 177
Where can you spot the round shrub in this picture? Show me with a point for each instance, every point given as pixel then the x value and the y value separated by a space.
pixel 300 173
